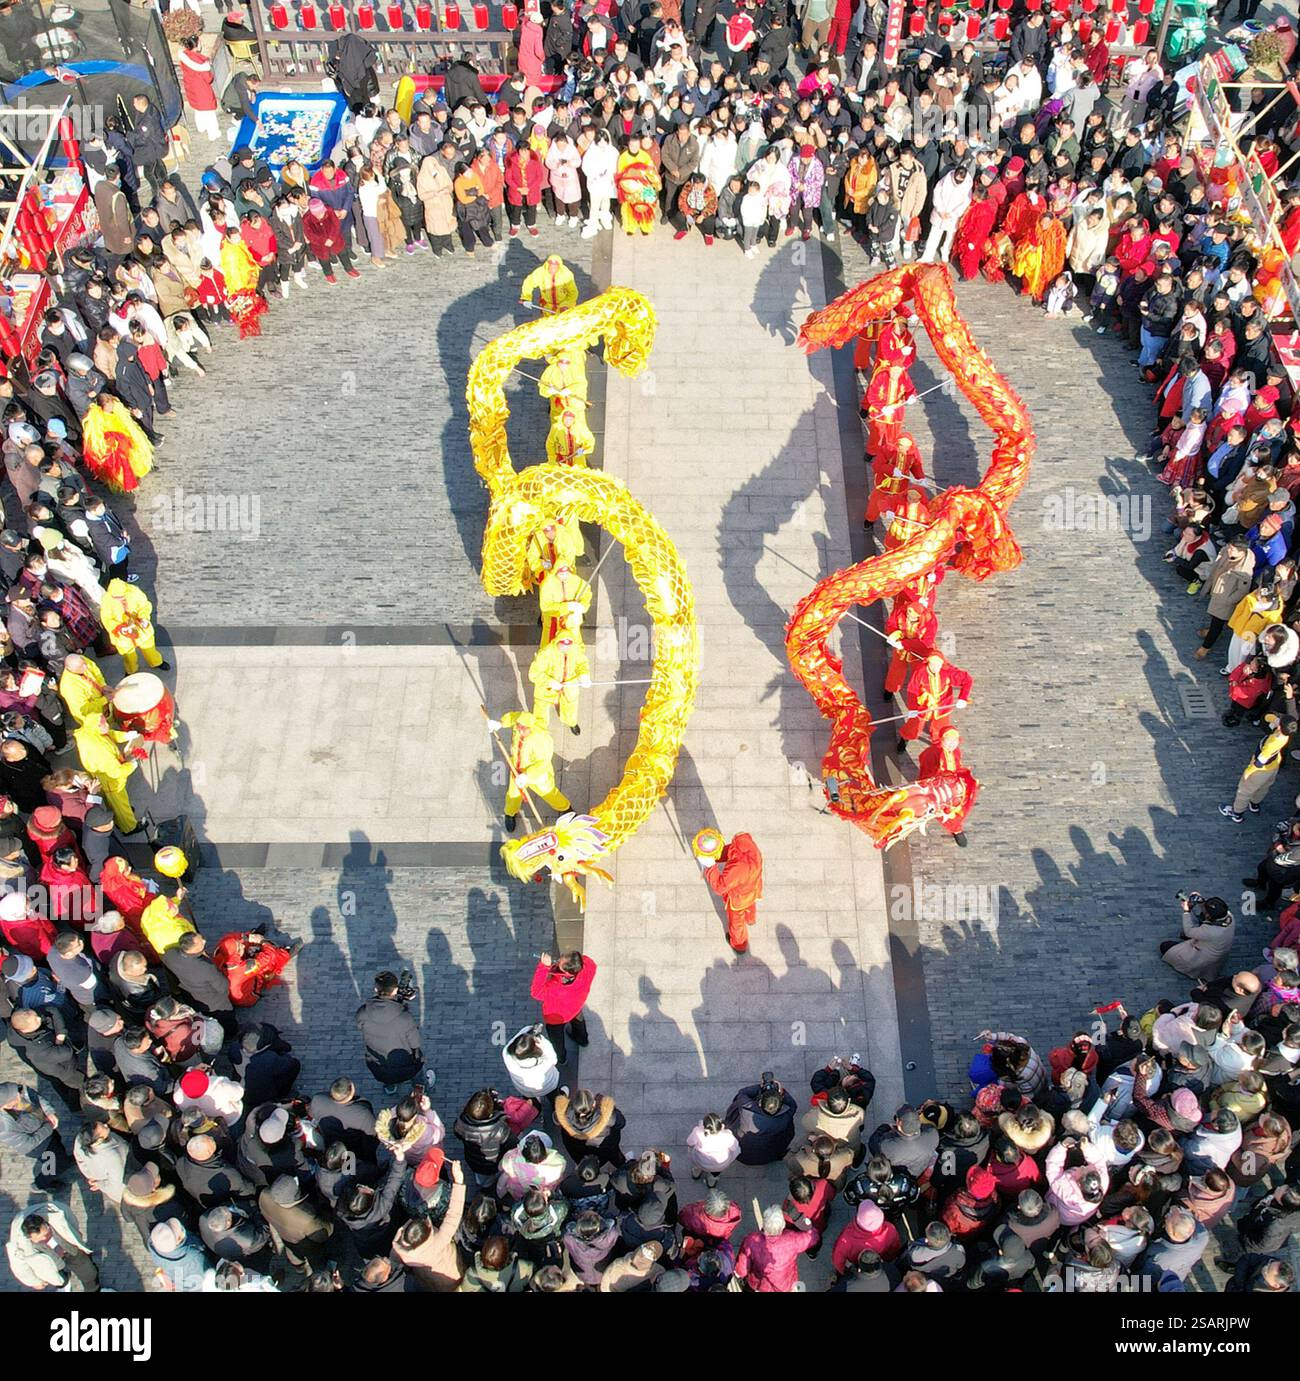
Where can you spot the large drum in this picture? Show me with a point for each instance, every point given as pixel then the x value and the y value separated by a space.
pixel 141 702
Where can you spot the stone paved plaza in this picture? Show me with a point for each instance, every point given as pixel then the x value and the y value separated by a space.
pixel 333 645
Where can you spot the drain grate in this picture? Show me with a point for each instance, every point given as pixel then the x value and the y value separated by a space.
pixel 1196 701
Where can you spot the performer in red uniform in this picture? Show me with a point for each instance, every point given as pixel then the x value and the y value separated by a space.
pixel 891 472
pixel 737 877
pixel 934 690
pixel 251 964
pixel 945 756
pixel 916 626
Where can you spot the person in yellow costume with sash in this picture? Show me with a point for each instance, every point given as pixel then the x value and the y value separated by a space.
pixel 113 445
pixel 564 598
pixel 558 671
pixel 162 923
pixel 553 280
pixel 551 546
pixel 242 275
pixel 570 440
pixel 564 381
pixel 82 688
pixel 127 617
pixel 110 764
pixel 532 763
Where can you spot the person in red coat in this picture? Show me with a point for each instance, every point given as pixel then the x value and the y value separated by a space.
pixel 972 1211
pixel 945 756
pixel 934 690
pixel 1012 1169
pixel 251 964
pixel 868 1231
pixel 323 232
pixel 200 91
pixel 974 231
pixel 523 189
pixel 768 1262
pixel 48 830
pixel 24 931
pixel 73 900
pixel 737 877
pixel 708 1221
pixel 562 987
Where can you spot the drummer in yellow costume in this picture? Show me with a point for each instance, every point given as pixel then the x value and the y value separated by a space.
pixel 554 281
pixel 564 381
pixel 127 617
pixel 108 762
pixel 532 768
pixel 82 687
pixel 570 440
pixel 558 672
pixel 551 546
pixel 563 598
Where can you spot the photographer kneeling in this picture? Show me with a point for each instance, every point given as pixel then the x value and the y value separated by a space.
pixel 1208 932
pixel 390 1033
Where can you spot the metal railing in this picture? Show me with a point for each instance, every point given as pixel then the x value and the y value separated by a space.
pixel 300 54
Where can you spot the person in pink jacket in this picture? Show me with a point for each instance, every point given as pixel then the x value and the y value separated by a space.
pixel 562 164
pixel 867 1232
pixel 769 1260
pixel 1076 1193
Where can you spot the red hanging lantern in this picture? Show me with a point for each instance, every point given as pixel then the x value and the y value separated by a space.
pixel 1034 5
pixel 1085 29
pixel 279 17
pixel 68 138
pixel 915 24
pixel 396 18
pixel 510 17
pixel 307 17
pixel 946 4
pixel 972 27
pixel 944 24
pixel 1061 6
pixel 1001 27
pixel 10 343
pixel 1005 4
pixel 423 17
pixel 976 5
pixel 1089 6
pixel 480 16
pixel 1140 31
pixel 1113 27
pixel 451 16
pixel 338 17
pixel 366 16
pixel 1119 6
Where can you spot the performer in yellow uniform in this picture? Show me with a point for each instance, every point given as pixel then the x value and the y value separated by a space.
pixel 564 381
pixel 563 597
pixel 532 768
pixel 111 765
pixel 637 184
pixel 113 446
pixel 162 924
pixel 570 440
pixel 127 617
pixel 557 672
pixel 554 280
pixel 82 688
pixel 552 545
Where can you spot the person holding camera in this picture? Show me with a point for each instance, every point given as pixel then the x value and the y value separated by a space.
pixel 1208 933
pixel 762 1117
pixel 562 986
pixel 390 1033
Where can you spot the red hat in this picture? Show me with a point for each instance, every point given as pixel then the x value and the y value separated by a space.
pixel 429 1170
pixel 194 1083
pixel 1015 166
pixel 980 1182
pixel 806 151
pixel 47 820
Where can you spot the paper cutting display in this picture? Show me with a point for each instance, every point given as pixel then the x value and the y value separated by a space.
pixel 534 513
pixel 926 535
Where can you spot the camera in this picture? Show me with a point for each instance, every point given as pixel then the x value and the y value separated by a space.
pixel 767 1083
pixel 1189 898
pixel 405 986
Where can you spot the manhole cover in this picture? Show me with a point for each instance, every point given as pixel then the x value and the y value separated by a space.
pixel 1196 701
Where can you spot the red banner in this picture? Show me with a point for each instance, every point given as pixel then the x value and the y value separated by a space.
pixel 893 34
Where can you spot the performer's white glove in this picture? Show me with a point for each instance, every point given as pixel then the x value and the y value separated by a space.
pixel 556 686
pixel 961 704
pixel 894 639
pixel 912 714
pixel 584 681
pixel 494 726
pixel 520 781
pixel 704 863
